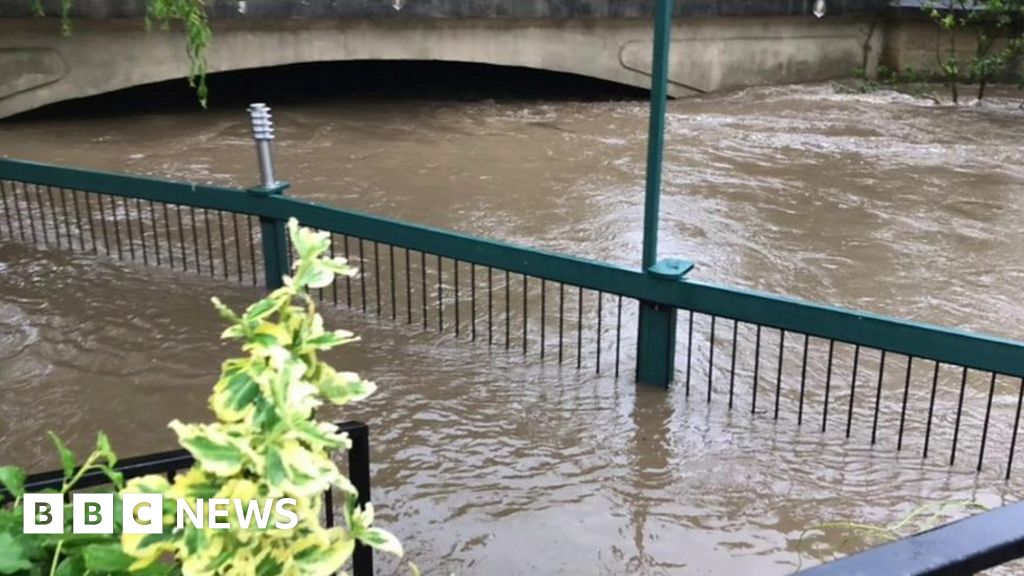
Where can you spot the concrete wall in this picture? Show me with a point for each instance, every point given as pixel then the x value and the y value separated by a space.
pixel 718 44
pixel 918 43
pixel 38 66
pixel 416 9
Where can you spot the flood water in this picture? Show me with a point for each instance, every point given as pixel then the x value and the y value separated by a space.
pixel 486 463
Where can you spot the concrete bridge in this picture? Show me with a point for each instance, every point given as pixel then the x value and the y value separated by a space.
pixel 718 44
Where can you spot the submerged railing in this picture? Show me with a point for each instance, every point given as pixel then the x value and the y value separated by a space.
pixel 171 462
pixel 965 547
pixel 909 385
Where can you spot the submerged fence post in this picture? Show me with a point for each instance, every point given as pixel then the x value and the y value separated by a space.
pixel 272 230
pixel 656 341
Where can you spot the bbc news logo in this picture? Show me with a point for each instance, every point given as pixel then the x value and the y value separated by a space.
pixel 143 513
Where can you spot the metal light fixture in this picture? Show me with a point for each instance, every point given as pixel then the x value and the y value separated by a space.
pixel 820 9
pixel 263 134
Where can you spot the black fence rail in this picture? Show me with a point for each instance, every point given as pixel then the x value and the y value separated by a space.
pixel 216 243
pixel 522 313
pixel 944 411
pixel 171 462
pixel 947 395
pixel 961 548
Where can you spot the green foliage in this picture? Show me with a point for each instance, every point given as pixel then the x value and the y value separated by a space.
pixel 267 442
pixel 62 554
pixel 190 14
pixel 998 28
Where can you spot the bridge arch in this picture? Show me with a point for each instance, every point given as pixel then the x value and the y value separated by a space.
pixel 352 81
pixel 39 67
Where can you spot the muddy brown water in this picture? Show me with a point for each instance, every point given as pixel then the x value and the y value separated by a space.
pixel 485 463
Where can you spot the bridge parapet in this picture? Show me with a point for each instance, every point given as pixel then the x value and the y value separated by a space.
pixel 560 9
pixel 718 45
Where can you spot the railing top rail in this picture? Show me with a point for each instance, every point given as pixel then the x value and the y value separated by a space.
pixel 558 267
pixel 964 547
pixel 131 468
pixel 156 463
pixel 866 329
pixel 919 340
pixel 128 185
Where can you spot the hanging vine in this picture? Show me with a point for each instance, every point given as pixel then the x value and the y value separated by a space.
pixel 192 16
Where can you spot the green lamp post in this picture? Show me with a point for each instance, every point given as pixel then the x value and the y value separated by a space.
pixel 656 341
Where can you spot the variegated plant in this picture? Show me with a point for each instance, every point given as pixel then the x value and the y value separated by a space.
pixel 267 442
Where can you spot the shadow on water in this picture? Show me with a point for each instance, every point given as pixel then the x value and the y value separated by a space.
pixel 361 80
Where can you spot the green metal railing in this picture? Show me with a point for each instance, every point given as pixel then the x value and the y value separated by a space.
pixel 907 382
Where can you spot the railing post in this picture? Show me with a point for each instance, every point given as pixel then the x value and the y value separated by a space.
pixel 655 358
pixel 272 230
pixel 359 474
pixel 656 342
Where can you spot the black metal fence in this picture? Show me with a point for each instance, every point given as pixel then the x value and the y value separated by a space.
pixel 522 313
pixel 941 410
pixel 217 243
pixel 171 462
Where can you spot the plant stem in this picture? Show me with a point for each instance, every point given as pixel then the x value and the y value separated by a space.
pixel 81 472
pixel 56 558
